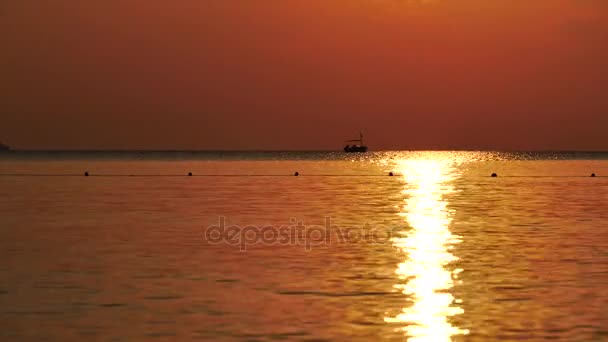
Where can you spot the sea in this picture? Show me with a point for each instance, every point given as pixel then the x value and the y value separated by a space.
pixel 303 246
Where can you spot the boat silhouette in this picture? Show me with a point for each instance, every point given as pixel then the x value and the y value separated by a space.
pixel 356 148
pixel 4 148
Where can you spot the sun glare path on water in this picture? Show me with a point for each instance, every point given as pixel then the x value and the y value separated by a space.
pixel 424 275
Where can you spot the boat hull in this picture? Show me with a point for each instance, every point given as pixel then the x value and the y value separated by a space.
pixel 355 149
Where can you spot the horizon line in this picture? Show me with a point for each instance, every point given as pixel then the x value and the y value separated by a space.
pixel 292 151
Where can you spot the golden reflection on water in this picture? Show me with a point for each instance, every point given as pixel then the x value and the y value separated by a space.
pixel 426 278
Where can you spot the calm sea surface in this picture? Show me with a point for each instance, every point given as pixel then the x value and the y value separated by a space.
pixel 244 250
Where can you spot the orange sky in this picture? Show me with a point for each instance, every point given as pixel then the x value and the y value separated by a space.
pixel 304 74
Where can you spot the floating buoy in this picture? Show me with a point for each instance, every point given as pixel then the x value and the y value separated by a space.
pixel 494 175
pixel 390 174
pixel 593 175
pixel 189 174
pixel 296 174
pixel 86 174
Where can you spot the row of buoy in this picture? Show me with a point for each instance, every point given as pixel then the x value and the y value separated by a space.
pixel 494 175
pixel 296 174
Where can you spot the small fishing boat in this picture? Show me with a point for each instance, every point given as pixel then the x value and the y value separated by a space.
pixel 356 148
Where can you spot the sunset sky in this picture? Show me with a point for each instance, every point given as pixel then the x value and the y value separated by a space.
pixel 304 74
